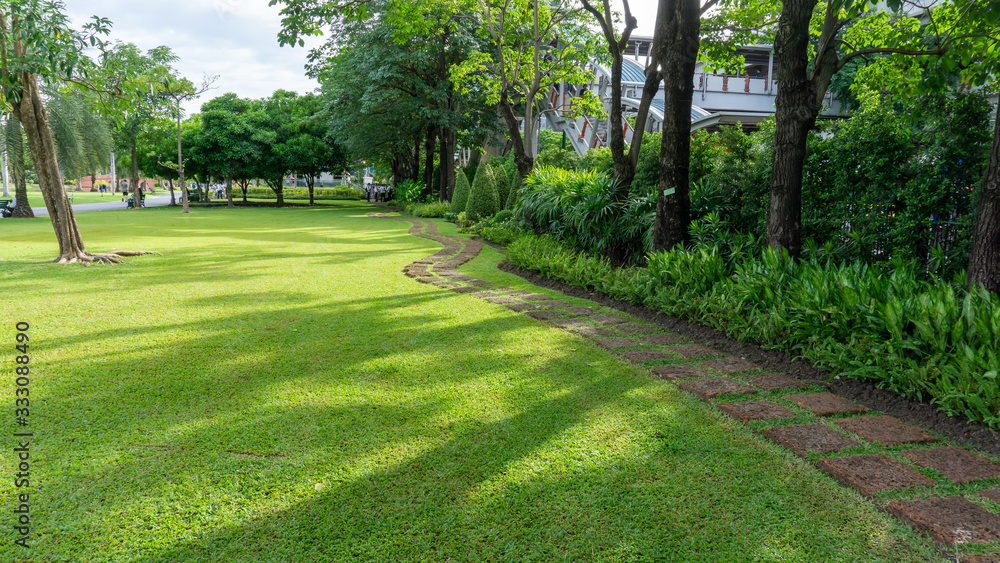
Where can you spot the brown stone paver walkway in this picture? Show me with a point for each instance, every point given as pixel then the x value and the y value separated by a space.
pixel 926 478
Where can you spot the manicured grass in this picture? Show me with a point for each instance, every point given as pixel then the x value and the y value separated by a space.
pixel 272 388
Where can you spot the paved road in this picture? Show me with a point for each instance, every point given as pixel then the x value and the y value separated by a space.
pixel 151 201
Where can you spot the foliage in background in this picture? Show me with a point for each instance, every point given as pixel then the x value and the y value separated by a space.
pixel 502 185
pixel 432 209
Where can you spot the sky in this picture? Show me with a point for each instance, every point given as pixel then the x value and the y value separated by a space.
pixel 234 39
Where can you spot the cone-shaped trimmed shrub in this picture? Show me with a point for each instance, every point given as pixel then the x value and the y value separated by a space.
pixel 513 183
pixel 483 197
pixel 460 198
pixel 503 187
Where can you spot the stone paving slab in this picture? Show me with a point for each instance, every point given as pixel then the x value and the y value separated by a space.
pixel 773 381
pixel 679 371
pixel 541 315
pixel 520 292
pixel 979 559
pixel 662 339
pixel 486 294
pixel 804 439
pixel 465 289
pixel 482 283
pixel 635 328
pixel 693 350
pixel 992 494
pixel 535 297
pixel 608 319
pixel 503 300
pixel 520 307
pixel 581 310
pixel 825 404
pixel 713 387
pixel 745 411
pixel 885 430
pixel 957 464
pixel 730 364
pixel 426 280
pixel 873 473
pixel 948 520
pixel 615 342
pixel 553 304
pixel 640 356
pixel 593 331
pixel 569 323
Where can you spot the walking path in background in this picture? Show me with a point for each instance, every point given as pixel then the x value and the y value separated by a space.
pixel 151 201
pixel 946 492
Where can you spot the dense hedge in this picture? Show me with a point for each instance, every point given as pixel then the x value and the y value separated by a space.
pixel 460 198
pixel 483 196
pixel 302 193
pixel 921 339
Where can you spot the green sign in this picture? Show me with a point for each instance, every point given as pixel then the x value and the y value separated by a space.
pixel 669 192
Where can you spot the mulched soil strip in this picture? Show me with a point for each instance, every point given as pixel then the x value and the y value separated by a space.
pixel 804 439
pixel 873 473
pixel 957 464
pixel 885 430
pixel 745 411
pixel 868 474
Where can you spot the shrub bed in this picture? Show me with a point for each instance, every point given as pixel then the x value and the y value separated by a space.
pixel 924 340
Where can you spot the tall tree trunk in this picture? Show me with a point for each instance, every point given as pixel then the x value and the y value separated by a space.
pixel 180 165
pixel 429 159
pixel 173 200
pixel 984 260
pixel 15 163
pixel 447 163
pixel 310 182
pixel 680 24
pixel 134 182
pixel 31 113
pixel 525 162
pixel 796 109
pixel 229 191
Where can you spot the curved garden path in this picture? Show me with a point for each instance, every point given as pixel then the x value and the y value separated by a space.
pixel 947 492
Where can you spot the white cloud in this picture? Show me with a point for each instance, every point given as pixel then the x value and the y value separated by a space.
pixel 233 39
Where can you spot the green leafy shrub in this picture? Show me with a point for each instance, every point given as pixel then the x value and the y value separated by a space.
pixel 435 209
pixel 482 197
pixel 461 196
pixel 566 159
pixel 450 216
pixel 580 208
pixel 502 228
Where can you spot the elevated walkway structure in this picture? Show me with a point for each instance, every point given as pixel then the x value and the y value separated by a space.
pixel 719 99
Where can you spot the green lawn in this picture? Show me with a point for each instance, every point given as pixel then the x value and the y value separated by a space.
pixel 272 388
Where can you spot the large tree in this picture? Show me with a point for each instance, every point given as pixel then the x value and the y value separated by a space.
pixel 813 42
pixel 36 41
